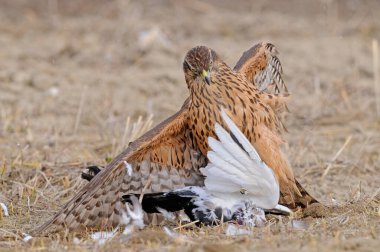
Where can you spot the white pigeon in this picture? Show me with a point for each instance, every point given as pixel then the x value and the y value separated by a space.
pixel 238 184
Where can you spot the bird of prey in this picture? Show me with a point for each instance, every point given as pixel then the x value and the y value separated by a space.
pixel 170 155
pixel 239 186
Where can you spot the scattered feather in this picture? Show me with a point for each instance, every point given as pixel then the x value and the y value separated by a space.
pixel 183 217
pixel 170 232
pixel 128 166
pixel 234 230
pixel 5 209
pixel 299 224
pixel 53 91
pixel 26 237
pixel 177 236
pixel 167 215
pixel 102 237
pixel 76 240
pixel 131 219
pixel 283 209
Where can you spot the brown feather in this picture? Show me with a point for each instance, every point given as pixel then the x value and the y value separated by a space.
pixel 171 153
pixel 167 154
pixel 261 66
pixel 254 111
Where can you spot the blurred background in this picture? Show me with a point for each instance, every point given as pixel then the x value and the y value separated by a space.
pixel 76 75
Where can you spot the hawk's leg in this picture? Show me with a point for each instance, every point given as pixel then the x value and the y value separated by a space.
pixel 92 171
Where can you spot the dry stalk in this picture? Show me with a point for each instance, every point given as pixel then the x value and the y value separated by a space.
pixel 186 225
pixel 22 185
pixel 133 131
pixel 348 139
pixel 46 179
pixel 374 195
pixel 80 110
pixel 144 189
pixel 125 134
pixel 376 73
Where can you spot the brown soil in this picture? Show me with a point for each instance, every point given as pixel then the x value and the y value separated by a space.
pixel 73 73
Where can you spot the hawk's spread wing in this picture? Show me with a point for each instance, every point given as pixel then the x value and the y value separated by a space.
pixel 261 66
pixel 166 157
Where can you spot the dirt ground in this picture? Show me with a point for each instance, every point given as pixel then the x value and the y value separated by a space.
pixel 80 79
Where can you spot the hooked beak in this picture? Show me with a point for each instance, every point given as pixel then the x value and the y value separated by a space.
pixel 206 76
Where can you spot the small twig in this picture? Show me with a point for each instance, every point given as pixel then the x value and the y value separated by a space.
pixel 125 134
pixel 46 179
pixel 30 187
pixel 70 189
pixel 20 155
pixel 144 189
pixel 374 194
pixel 341 215
pixel 136 128
pixel 10 233
pixel 336 156
pixel 80 109
pixel 36 209
pixel 221 226
pixel 376 74
pixel 186 225
pixel 140 127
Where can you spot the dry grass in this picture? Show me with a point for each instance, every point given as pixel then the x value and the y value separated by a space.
pixel 74 76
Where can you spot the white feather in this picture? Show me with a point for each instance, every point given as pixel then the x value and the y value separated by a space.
pixel 223 152
pixel 235 230
pixel 248 147
pixel 4 208
pixel 166 214
pixel 223 167
pixel 283 209
pixel 230 145
pixel 26 237
pixel 102 237
pixel 231 169
pixel 129 168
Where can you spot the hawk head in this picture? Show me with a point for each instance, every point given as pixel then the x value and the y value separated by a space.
pixel 199 64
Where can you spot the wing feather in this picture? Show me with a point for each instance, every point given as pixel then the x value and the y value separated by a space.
pixel 251 173
pixel 223 152
pixel 165 155
pixel 261 66
pixel 247 146
pixel 229 144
